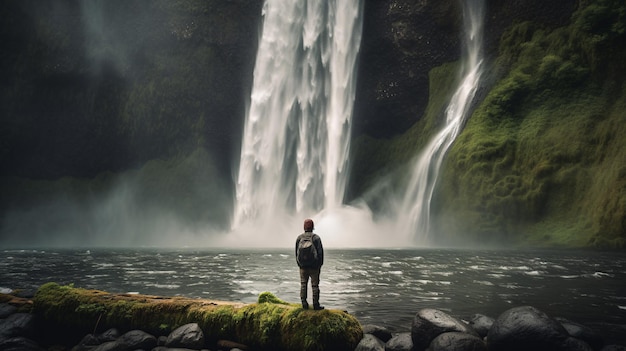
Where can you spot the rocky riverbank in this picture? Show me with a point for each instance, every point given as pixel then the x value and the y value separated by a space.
pixel 23 326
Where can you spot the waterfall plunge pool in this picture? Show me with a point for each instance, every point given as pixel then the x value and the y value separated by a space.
pixel 378 286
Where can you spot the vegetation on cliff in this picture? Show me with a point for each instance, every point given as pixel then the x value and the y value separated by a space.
pixel 541 161
pixel 270 324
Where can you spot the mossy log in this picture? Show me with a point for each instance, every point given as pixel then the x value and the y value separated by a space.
pixel 270 324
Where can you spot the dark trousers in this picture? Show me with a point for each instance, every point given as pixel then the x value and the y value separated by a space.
pixel 314 274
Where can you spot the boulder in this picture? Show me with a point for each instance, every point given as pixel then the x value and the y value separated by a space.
pixel 17 324
pixel 187 336
pixel 400 342
pixel 573 344
pixel 89 341
pixel 370 343
pixel 583 333
pixel 428 323
pixel 526 328
pixel 6 310
pixel 457 341
pixel 19 344
pixel 109 335
pixel 381 333
pixel 132 340
pixel 481 324
pixel 137 339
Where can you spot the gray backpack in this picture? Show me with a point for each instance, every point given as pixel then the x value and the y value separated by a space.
pixel 307 253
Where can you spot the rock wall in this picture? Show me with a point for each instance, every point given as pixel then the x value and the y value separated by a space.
pixel 403 40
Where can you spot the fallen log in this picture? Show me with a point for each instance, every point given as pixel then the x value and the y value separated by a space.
pixel 270 324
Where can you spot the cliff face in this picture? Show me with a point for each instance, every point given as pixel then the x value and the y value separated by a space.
pixel 404 40
pixel 102 86
pixel 92 88
pixel 541 161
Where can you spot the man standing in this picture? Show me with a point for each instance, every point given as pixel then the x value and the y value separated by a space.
pixel 310 258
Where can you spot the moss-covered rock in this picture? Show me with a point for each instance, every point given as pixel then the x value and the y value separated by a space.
pixel 271 324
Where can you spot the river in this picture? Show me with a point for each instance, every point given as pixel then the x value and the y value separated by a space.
pixel 385 287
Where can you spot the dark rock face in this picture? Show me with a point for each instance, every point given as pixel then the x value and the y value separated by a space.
pixel 115 84
pixel 403 40
pixel 77 105
pixel 526 328
pixel 428 323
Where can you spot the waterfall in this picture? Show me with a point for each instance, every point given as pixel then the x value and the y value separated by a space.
pixel 414 212
pixel 296 137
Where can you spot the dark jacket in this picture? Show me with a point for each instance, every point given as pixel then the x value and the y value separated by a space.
pixel 317 242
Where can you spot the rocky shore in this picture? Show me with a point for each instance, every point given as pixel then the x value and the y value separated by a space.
pixel 22 327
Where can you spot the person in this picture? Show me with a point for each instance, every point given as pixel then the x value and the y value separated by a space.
pixel 309 266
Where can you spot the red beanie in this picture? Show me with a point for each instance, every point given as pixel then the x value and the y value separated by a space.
pixel 308 225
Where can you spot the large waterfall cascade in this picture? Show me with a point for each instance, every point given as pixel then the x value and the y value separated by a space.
pixel 414 211
pixel 296 139
pixel 295 143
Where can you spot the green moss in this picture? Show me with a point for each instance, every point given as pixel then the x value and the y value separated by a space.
pixel 268 297
pixel 270 325
pixel 373 159
pixel 540 161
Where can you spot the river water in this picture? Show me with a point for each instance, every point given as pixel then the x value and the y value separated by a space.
pixel 385 287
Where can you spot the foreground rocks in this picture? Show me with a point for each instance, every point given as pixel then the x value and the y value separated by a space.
pixel 519 328
pixel 65 314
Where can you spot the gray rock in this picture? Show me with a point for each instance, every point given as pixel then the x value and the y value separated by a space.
pixel 6 310
pixel 400 342
pixel 573 344
pixel 109 335
pixel 526 328
pixel 186 336
pixel 17 324
pixel 137 339
pixel 583 333
pixel 382 333
pixel 428 323
pixel 481 324
pixel 19 344
pixel 370 343
pixel 456 341
pixel 132 340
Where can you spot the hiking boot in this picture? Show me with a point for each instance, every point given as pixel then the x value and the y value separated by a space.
pixel 318 307
pixel 305 305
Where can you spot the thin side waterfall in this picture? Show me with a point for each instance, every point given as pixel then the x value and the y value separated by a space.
pixel 415 205
pixel 295 143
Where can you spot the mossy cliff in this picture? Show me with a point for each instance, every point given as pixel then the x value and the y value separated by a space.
pixel 270 324
pixel 542 161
